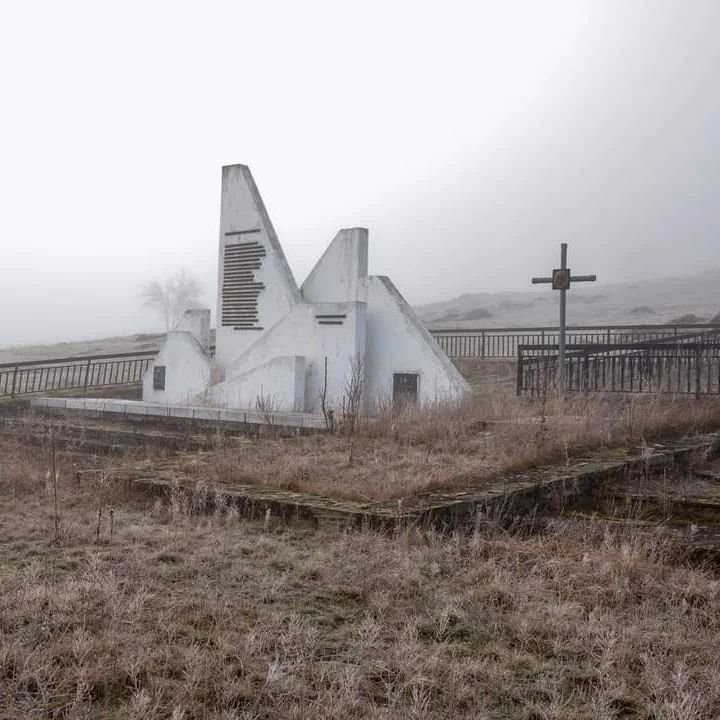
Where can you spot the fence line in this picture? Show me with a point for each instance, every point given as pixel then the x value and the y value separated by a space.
pixel 73 373
pixel 504 342
pixel 93 371
pixel 683 366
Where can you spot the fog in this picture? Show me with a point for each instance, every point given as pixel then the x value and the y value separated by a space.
pixel 471 138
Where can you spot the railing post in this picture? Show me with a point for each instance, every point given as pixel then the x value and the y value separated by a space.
pixel 482 345
pixel 12 392
pixel 87 376
pixel 519 371
pixel 697 371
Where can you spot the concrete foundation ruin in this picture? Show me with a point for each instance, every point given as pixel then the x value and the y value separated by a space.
pixel 343 337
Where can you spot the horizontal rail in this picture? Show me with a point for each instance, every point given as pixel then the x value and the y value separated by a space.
pixel 554 328
pixel 81 373
pixel 78 359
pixel 504 342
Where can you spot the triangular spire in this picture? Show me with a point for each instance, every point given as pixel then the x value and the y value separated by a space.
pixel 255 285
pixel 340 275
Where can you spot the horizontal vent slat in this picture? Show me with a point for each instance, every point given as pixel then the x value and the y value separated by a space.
pixel 240 291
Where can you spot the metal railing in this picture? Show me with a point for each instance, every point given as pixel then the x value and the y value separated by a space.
pixel 683 366
pixel 73 373
pixel 504 342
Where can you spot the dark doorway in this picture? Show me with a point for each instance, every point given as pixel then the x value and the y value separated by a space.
pixel 405 388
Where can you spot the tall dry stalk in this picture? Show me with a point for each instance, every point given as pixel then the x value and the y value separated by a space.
pixel 266 405
pixel 327 411
pixel 97 528
pixel 56 507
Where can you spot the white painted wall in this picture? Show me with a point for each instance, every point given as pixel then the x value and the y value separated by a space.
pixel 242 209
pixel 280 381
pixel 187 370
pixel 197 323
pixel 397 342
pixel 341 273
pixel 302 333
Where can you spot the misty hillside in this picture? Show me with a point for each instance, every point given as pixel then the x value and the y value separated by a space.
pixel 649 301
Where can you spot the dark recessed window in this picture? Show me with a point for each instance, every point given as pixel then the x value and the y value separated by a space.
pixel 159 377
pixel 405 388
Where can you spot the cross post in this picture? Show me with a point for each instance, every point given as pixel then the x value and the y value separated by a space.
pixel 560 280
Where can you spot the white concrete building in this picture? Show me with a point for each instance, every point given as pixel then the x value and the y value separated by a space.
pixel 294 349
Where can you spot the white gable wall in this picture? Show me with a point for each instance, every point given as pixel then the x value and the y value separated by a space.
pixel 187 370
pixel 197 323
pixel 341 273
pixel 398 343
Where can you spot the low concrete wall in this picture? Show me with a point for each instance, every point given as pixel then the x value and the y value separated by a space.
pixel 130 407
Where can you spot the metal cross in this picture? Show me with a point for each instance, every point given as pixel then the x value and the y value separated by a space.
pixel 560 280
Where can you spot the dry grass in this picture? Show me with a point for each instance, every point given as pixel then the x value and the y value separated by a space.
pixel 210 616
pixel 452 446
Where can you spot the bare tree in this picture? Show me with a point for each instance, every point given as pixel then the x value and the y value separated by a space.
pixel 173 297
pixel 353 395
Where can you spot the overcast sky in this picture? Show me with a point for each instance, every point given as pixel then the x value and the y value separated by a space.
pixel 469 137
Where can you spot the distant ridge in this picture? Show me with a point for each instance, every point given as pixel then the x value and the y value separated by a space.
pixel 645 301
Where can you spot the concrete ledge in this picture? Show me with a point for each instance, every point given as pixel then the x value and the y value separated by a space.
pixel 55 403
pixel 208 414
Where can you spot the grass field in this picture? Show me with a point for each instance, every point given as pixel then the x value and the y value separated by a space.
pixel 404 453
pixel 136 608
